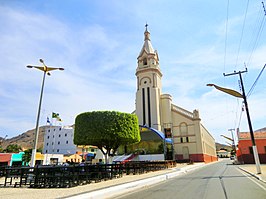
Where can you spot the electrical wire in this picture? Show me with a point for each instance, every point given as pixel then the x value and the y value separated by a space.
pixel 254 84
pixel 226 32
pixel 241 37
pixel 258 35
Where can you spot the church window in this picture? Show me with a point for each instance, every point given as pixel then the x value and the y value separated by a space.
pixel 145 61
pixel 183 129
pixel 167 132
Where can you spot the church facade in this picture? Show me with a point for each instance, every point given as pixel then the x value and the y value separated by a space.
pixel 190 139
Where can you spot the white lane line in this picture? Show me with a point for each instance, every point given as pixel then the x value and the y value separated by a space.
pixel 251 178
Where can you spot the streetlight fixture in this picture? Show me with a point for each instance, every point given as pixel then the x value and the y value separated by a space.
pixel 232 140
pixel 243 96
pixel 45 70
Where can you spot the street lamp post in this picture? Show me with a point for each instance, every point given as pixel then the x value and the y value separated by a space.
pixel 243 96
pixel 45 70
pixel 233 140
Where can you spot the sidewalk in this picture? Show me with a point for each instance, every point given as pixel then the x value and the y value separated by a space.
pixel 251 169
pixel 98 190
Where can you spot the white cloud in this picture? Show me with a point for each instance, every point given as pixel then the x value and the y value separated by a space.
pixel 99 57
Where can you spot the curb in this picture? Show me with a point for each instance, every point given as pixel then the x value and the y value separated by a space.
pixel 131 186
pixel 254 175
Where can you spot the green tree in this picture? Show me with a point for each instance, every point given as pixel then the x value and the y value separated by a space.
pixel 107 130
pixel 1 149
pixel 27 156
pixel 13 148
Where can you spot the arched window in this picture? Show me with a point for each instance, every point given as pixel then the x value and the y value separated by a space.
pixel 183 129
pixel 145 62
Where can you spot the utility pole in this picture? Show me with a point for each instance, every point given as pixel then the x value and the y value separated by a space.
pixel 255 152
pixel 233 140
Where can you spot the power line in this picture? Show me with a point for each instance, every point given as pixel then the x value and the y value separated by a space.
pixel 263 8
pixel 226 32
pixel 243 27
pixel 254 84
pixel 258 35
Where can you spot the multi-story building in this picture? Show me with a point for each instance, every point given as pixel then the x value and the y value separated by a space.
pixel 59 140
pixel 190 139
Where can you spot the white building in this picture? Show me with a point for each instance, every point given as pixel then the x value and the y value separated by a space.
pixel 59 140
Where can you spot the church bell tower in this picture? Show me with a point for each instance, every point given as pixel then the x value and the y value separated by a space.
pixel 148 85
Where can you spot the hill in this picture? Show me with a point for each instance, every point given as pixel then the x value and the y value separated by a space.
pixel 222 146
pixel 26 140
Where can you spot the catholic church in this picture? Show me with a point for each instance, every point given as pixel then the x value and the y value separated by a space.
pixel 189 139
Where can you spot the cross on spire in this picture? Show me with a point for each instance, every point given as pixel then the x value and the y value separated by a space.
pixel 146 26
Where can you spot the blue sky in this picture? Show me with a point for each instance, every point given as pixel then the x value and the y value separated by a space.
pixel 97 42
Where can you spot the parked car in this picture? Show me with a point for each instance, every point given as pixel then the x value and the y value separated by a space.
pixel 232 157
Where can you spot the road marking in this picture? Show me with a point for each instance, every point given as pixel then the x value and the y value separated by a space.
pixel 251 178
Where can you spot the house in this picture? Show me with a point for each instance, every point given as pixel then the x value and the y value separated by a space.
pixel 245 152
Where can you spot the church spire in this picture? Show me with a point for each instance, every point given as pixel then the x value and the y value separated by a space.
pixel 147 46
pixel 147 33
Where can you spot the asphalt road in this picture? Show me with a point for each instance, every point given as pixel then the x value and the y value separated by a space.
pixel 221 180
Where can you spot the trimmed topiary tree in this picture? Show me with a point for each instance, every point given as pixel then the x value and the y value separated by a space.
pixel 107 130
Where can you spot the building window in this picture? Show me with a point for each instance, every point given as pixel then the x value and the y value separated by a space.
pixel 167 132
pixel 181 140
pixel 59 135
pixel 250 150
pixel 145 61
pixel 52 143
pixel 187 139
pixel 47 144
pixel 65 134
pixel 58 142
pixel 60 129
pixel 48 137
pixel 46 151
pixel 183 129
pixel 57 150
pixel 48 130
pixel 67 142
pixel 53 136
